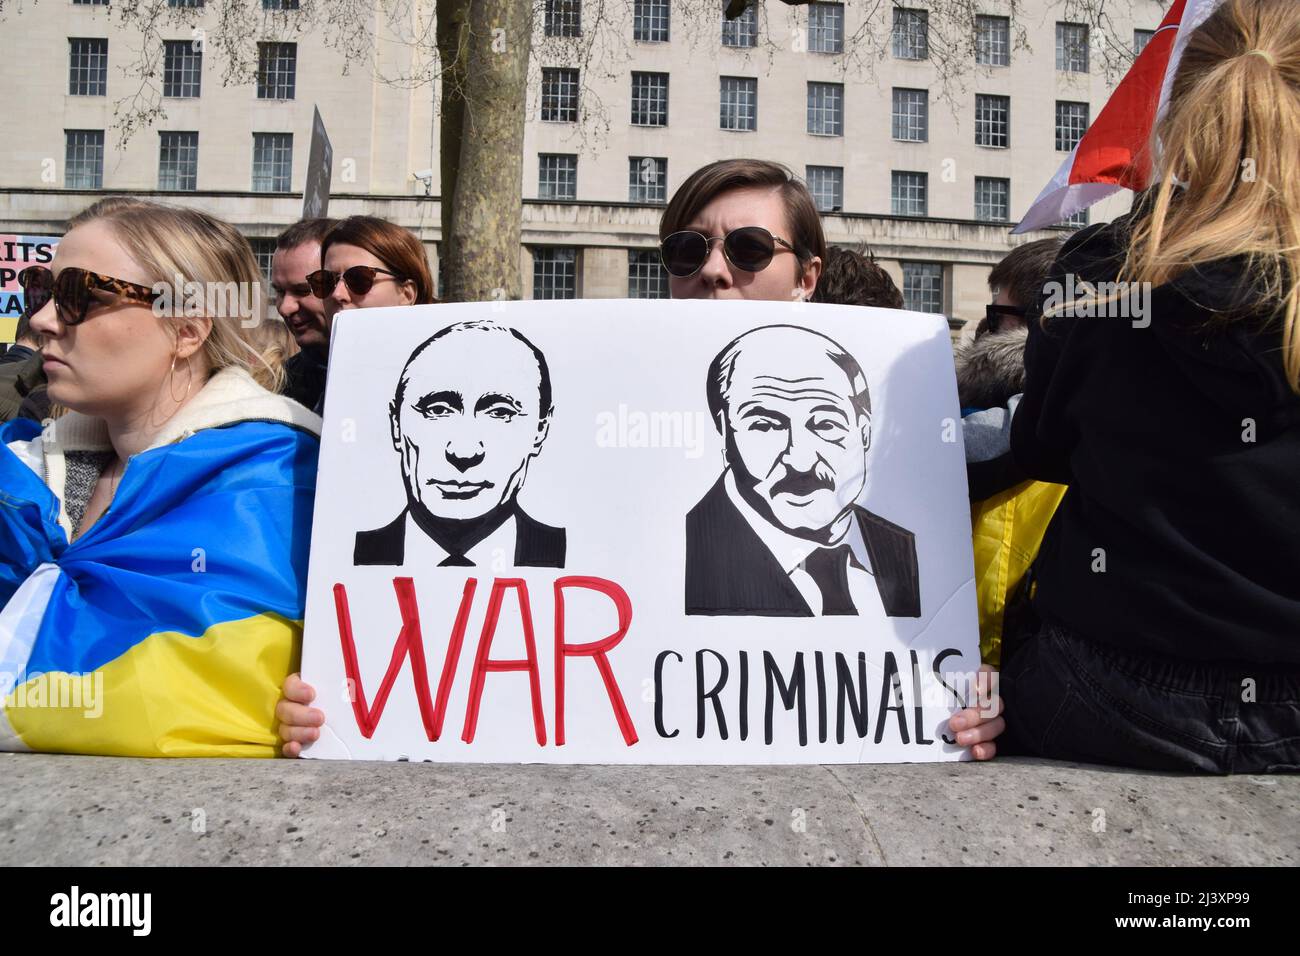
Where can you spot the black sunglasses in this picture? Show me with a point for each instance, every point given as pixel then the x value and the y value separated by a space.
pixel 359 280
pixel 993 314
pixel 75 290
pixel 749 248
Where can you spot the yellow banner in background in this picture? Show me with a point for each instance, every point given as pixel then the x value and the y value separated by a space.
pixel 8 327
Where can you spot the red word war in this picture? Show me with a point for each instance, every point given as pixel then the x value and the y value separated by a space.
pixel 433 709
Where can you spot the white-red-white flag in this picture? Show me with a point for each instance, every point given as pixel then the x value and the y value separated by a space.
pixel 1114 153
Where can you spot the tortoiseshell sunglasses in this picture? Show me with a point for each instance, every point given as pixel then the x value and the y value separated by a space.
pixel 74 291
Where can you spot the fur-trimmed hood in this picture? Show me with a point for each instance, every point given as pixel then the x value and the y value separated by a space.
pixel 991 368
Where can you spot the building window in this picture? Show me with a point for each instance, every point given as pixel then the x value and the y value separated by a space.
pixel 742 31
pixel 993 40
pixel 87 67
pixel 557 176
pixel 264 253
pixel 1071 123
pixel 992 120
pixel 647 179
pixel 564 18
pixel 650 21
pixel 1078 220
pixel 825 28
pixel 83 161
pixel 826 183
pixel 279 4
pixel 907 193
pixel 182 69
pixel 188 4
pixel 90 3
pixel 1072 47
pixel 826 109
pixel 646 276
pixel 911 115
pixel 911 34
pixel 559 95
pixel 1140 40
pixel 178 161
pixel 555 272
pixel 992 199
pixel 923 287
pixel 649 99
pixel 277 67
pixel 739 100
pixel 272 162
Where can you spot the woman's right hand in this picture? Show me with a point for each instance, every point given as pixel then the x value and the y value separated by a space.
pixel 299 723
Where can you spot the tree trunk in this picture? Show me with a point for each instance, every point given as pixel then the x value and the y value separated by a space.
pixel 482 209
pixel 452 29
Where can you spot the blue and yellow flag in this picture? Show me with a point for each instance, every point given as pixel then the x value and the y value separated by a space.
pixel 168 628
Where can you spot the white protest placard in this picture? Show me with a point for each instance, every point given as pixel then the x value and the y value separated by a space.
pixel 632 531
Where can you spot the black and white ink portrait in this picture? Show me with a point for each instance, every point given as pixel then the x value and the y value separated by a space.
pixel 781 534
pixel 471 410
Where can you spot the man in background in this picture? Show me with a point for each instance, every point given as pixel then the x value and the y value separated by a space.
pixel 297 252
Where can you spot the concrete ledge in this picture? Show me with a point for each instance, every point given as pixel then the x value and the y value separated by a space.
pixel 61 810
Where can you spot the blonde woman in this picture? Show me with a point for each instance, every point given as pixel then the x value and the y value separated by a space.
pixel 1168 584
pixel 153 540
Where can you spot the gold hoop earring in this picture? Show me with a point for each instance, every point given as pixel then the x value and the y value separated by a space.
pixel 189 383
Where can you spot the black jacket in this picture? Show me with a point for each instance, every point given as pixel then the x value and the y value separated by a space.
pixel 305 378
pixel 536 545
pixel 1181 446
pixel 730 571
pixel 22 385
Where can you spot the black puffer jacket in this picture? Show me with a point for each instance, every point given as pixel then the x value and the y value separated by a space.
pixel 1181 446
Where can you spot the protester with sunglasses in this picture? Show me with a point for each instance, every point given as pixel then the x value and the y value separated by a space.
pixel 747 229
pixel 742 229
pixel 297 252
pixel 368 263
pixel 1166 630
pixel 1009 511
pixel 153 547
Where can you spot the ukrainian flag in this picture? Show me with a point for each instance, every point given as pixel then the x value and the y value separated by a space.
pixel 168 628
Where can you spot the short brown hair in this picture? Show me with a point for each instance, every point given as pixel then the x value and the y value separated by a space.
pixel 854 278
pixel 305 230
pixel 1024 270
pixel 708 182
pixel 395 247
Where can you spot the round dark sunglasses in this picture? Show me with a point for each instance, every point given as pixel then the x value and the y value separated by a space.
pixel 750 248
pixel 359 280
pixel 75 290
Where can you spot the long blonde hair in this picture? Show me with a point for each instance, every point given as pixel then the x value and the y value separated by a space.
pixel 1231 137
pixel 174 241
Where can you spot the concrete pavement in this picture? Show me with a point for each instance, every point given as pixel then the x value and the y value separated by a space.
pixel 110 811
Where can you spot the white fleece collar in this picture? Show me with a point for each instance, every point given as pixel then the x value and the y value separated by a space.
pixel 230 396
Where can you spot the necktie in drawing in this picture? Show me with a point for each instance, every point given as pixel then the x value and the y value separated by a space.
pixel 829 569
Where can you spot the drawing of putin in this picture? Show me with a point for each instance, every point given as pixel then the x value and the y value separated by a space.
pixel 781 533
pixel 471 409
